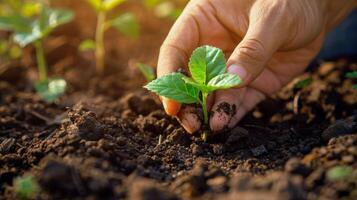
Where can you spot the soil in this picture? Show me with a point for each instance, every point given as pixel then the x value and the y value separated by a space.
pixel 101 139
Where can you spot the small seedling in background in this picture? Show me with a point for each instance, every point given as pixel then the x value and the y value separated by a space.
pixel 164 8
pixel 303 83
pixel 126 23
pixel 33 30
pixel 147 71
pixel 9 50
pixel 26 187
pixel 339 173
pixel 354 76
pixel 208 69
pixel 300 85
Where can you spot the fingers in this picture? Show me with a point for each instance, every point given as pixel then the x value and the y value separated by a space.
pixel 231 105
pixel 189 119
pixel 224 108
pixel 171 107
pixel 174 52
pixel 179 43
pixel 267 31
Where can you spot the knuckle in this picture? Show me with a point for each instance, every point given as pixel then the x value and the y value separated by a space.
pixel 252 50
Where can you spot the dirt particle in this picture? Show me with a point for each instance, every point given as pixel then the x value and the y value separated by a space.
pixel 146 189
pixel 260 150
pixel 294 166
pixel 228 109
pixel 6 145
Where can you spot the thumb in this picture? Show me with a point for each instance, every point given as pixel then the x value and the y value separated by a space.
pixel 266 32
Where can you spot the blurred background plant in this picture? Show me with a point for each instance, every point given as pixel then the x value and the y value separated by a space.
pixel 170 9
pixel 30 22
pixel 126 23
pixel 26 187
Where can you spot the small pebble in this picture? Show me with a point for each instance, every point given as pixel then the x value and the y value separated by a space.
pixel 260 150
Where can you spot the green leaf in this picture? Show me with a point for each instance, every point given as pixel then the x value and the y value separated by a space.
pixel 86 45
pixel 3 47
pixel 30 9
pixel 96 4
pixel 25 38
pixel 354 87
pixel 26 187
pixel 224 81
pixel 15 52
pixel 172 86
pixel 303 83
pixel 41 27
pixel 15 23
pixel 147 71
pixel 206 62
pixel 339 173
pixel 51 89
pixel 193 83
pixel 51 18
pixel 151 3
pixel 351 74
pixel 110 4
pixel 127 24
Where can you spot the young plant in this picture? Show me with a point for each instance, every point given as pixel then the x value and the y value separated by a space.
pixel 147 71
pixel 207 66
pixel 354 76
pixel 125 23
pixel 26 187
pixel 303 83
pixel 32 30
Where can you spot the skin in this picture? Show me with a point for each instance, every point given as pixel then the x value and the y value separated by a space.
pixel 267 43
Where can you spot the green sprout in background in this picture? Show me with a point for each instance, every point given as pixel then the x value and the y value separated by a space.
pixel 303 83
pixel 9 50
pixel 339 173
pixel 126 23
pixel 207 66
pixel 146 71
pixel 354 76
pixel 26 187
pixel 165 8
pixel 33 30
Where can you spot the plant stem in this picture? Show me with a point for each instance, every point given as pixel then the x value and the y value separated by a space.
pixel 204 107
pixel 99 42
pixel 41 62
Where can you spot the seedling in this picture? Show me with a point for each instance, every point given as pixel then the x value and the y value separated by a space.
pixel 33 30
pixel 354 76
pixel 26 187
pixel 125 23
pixel 303 83
pixel 339 173
pixel 147 71
pixel 164 8
pixel 207 66
pixel 298 86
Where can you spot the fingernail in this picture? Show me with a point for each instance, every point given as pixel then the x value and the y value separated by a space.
pixel 171 107
pixel 238 70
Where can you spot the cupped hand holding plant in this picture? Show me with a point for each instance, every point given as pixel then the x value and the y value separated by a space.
pixel 267 43
pixel 208 70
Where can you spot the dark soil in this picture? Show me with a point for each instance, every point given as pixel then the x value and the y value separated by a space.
pixel 101 140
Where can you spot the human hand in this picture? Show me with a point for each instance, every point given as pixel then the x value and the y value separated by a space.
pixel 267 43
